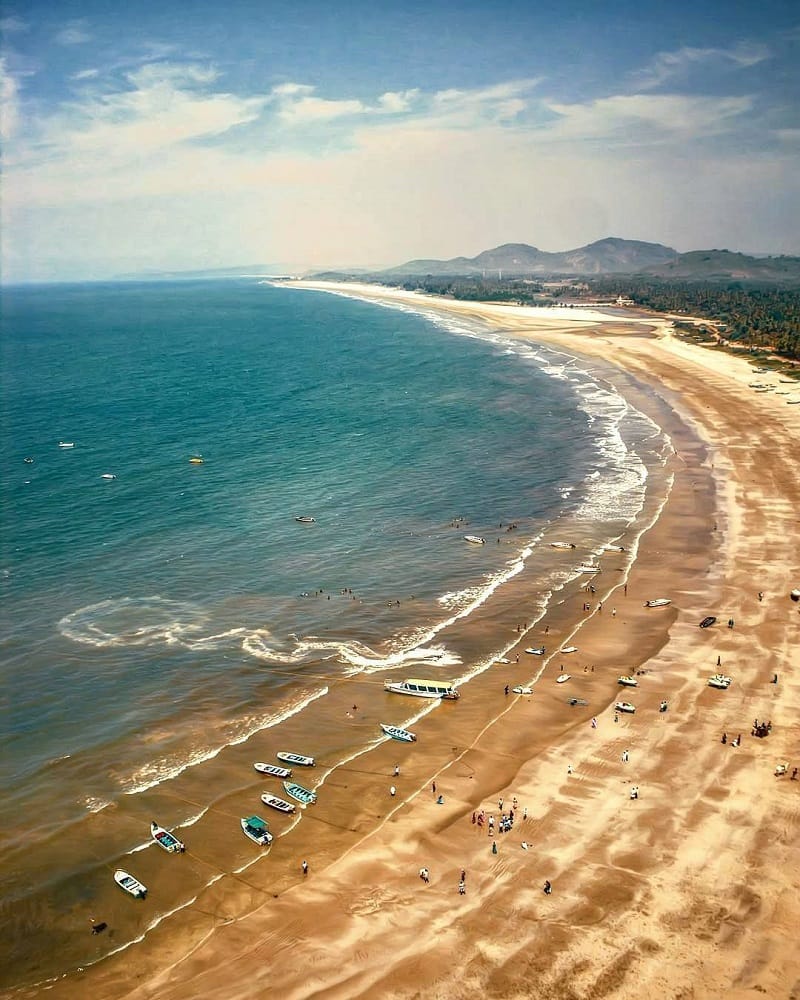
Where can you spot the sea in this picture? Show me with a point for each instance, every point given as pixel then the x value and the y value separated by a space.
pixel 166 622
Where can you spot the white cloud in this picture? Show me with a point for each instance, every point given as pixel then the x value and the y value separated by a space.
pixel 314 109
pixel 73 33
pixel 9 102
pixel 85 74
pixel 676 65
pixel 396 102
pixel 11 24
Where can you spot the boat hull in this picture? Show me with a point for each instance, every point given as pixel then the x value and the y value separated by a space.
pixel 258 834
pixel 129 884
pixel 295 758
pixel 303 795
pixel 280 804
pixel 166 840
pixel 396 733
pixel 273 770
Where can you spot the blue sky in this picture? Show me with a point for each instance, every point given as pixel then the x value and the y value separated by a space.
pixel 183 135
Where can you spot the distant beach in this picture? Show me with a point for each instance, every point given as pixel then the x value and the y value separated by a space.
pixel 690 887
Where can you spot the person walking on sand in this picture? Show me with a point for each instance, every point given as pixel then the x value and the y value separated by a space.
pixel 613 612
pixel 494 847
pixel 594 723
pixel 396 770
pixel 393 791
pixel 625 757
pixel 304 866
pixel 569 768
pixel 463 874
pixel 462 889
pixel 547 888
pixel 433 787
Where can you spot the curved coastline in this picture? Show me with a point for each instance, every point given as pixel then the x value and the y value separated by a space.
pixel 702 545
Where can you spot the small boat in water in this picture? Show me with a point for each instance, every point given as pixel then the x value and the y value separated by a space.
pixel 628 681
pixel 625 706
pixel 519 689
pixel 165 839
pixel 295 758
pixel 305 519
pixel 274 770
pixel 256 829
pixel 275 803
pixel 108 475
pixel 562 545
pixel 28 461
pixel 658 602
pixel 570 649
pixel 719 681
pixel 196 460
pixel 587 568
pixel 536 650
pixel 304 795
pixel 67 444
pixel 563 678
pixel 475 539
pixel 614 548
pixel 130 884
pixel 422 688
pixel 397 733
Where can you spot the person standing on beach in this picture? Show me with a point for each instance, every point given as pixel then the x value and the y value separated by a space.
pixel 625 757
pixel 433 787
pixel 393 791
pixel 304 866
pixel 396 770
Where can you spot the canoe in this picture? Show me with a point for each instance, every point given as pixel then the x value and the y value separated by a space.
pixel 165 839
pixel 304 795
pixel 397 733
pixel 256 829
pixel 630 682
pixel 273 770
pixel 625 706
pixel 475 539
pixel 130 884
pixel 562 678
pixel 536 650
pixel 519 689
pixel 275 803
pixel 295 758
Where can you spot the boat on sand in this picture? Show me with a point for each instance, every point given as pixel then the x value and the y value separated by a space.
pixel 519 689
pixel 570 649
pixel 628 681
pixel 257 830
pixel 658 602
pixel 130 884
pixel 275 803
pixel 295 758
pixel 396 733
pixel 536 650
pixel 625 706
pixel 165 839
pixel 719 681
pixel 563 678
pixel 304 795
pixel 273 770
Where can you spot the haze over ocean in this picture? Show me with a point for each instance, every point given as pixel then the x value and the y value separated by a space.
pixel 152 619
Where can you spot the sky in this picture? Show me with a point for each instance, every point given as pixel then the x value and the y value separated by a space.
pixel 177 135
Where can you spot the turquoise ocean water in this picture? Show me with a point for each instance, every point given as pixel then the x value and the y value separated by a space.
pixel 152 620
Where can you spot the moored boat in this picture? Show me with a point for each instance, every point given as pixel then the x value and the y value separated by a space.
pixel 719 681
pixel 196 460
pixel 625 706
pixel 570 649
pixel 273 769
pixel 562 545
pixel 275 803
pixel 658 602
pixel 536 650
pixel 304 795
pixel 397 733
pixel 67 444
pixel 305 519
pixel 256 829
pixel 165 839
pixel 520 689
pixel 130 884
pixel 563 678
pixel 628 681
pixel 295 758
pixel 108 475
pixel 422 688
pixel 475 539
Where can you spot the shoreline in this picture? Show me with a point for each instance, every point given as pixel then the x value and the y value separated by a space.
pixel 362 914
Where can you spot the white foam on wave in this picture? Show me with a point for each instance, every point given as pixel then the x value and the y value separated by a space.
pixel 133 621
pixel 95 805
pixel 166 768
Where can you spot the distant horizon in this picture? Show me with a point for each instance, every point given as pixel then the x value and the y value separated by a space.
pixel 181 138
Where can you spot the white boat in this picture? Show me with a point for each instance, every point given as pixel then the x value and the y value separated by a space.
pixel 658 602
pixel 305 519
pixel 256 829
pixel 720 681
pixel 68 444
pixel 165 839
pixel 397 733
pixel 562 545
pixel 562 678
pixel 625 706
pixel 536 650
pixel 130 884
pixel 108 475
pixel 614 548
pixel 304 795
pixel 275 803
pixel 273 769
pixel 295 758
pixel 502 659
pixel 475 539
pixel 422 688
pixel 570 649
pixel 628 681
pixel 519 689
pixel 588 569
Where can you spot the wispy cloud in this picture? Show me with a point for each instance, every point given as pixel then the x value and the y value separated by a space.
pixel 12 24
pixel 85 74
pixel 9 102
pixel 73 33
pixel 677 65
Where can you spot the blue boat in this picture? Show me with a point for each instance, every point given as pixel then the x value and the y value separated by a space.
pixel 303 795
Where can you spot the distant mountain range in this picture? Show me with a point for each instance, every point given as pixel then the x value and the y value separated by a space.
pixel 610 256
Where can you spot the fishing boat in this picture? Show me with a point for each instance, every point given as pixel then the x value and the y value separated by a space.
pixel 628 681
pixel 165 839
pixel 304 795
pixel 397 733
pixel 196 460
pixel 502 659
pixel 130 884
pixel 273 769
pixel 563 678
pixel 570 649
pixel 68 444
pixel 625 706
pixel 295 758
pixel 707 621
pixel 658 602
pixel 275 803
pixel 719 681
pixel 562 545
pixel 422 688
pixel 257 830
pixel 28 461
pixel 588 568
pixel 519 689
pixel 475 539
pixel 108 475
pixel 305 519
pixel 536 650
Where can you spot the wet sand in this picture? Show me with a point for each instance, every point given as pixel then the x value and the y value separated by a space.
pixel 690 890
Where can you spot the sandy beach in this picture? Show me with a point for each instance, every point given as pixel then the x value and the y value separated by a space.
pixel 690 890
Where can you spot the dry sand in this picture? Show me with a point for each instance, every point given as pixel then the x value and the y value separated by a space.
pixel 693 890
